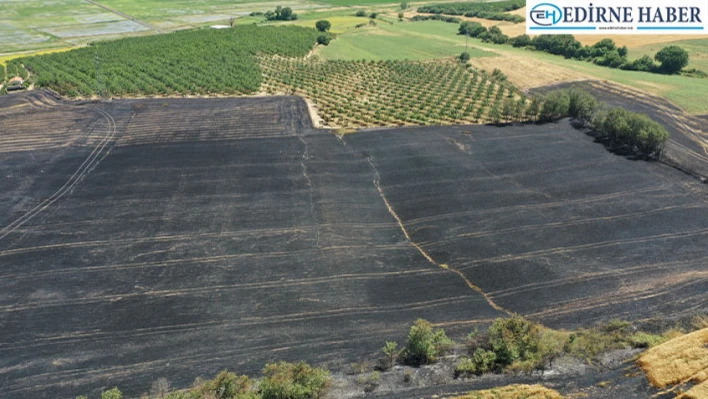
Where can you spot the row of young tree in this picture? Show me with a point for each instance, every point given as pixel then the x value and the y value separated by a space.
pixel 187 62
pixel 671 59
pixel 621 130
pixel 497 10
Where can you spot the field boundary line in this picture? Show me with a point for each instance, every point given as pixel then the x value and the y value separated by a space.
pixel 445 266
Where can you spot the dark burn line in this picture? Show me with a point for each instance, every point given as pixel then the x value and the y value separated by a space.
pixel 377 180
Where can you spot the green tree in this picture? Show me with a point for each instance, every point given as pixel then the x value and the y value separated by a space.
pixel 473 29
pixel 114 393
pixel 361 13
pixel 323 40
pixel 513 339
pixel 425 344
pixel 533 108
pixel 464 57
pixel 404 6
pixel 555 106
pixel 284 380
pixel 521 41
pixel 581 105
pixel 400 16
pixel 373 15
pixel 323 25
pixel 390 350
pixel 226 385
pixel 672 59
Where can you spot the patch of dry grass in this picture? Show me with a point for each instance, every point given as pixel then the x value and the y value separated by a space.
pixel 677 361
pixel 514 392
pixel 698 392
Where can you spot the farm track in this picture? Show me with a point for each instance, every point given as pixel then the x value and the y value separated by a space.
pixel 227 233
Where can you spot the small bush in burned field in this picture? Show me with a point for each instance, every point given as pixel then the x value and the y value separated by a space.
pixel 425 344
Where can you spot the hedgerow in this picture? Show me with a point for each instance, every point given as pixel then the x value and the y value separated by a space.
pixel 620 129
pixel 188 62
pixel 493 11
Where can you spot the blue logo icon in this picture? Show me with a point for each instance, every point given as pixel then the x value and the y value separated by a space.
pixel 546 14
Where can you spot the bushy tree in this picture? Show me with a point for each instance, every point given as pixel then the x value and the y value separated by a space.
pixel 425 344
pixel 513 339
pixel 555 106
pixel 114 393
pixel 323 40
pixel 390 350
pixel 323 25
pixel 373 15
pixel 521 41
pixel 404 6
pixel 473 29
pixel 672 59
pixel 464 57
pixel 533 108
pixel 361 13
pixel 581 105
pixel 281 14
pixel 643 64
pixel 226 385
pixel 284 380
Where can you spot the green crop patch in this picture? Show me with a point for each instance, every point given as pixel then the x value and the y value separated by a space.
pixel 189 62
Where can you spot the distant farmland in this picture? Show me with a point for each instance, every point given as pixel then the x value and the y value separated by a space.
pixel 179 237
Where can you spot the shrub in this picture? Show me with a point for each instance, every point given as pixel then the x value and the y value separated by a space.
pixel 482 361
pixel 114 393
pixel 646 340
pixel 390 350
pixel 404 6
pixel 581 105
pixel 464 57
pixel 425 344
pixel 226 385
pixel 323 40
pixel 323 26
pixel 672 59
pixel 521 41
pixel 293 381
pixel 360 13
pixel 473 29
pixel 373 15
pixel 643 64
pixel 555 106
pixel 513 339
pixel 281 14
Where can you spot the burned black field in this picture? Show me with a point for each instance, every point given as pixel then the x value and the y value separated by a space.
pixel 174 238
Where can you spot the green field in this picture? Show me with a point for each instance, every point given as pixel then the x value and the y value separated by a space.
pixel 394 42
pixel 697 48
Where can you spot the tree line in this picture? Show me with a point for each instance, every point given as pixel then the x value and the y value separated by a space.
pixel 497 10
pixel 671 59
